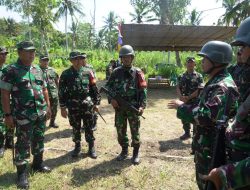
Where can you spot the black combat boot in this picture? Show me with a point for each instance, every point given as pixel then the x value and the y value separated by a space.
pixel 38 165
pixel 92 152
pixel 2 151
pixel 53 124
pixel 185 136
pixel 123 155
pixel 9 142
pixel 22 177
pixel 135 159
pixel 75 153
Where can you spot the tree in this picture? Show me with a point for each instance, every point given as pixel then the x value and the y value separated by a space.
pixel 236 11
pixel 195 17
pixel 66 7
pixel 110 28
pixel 142 12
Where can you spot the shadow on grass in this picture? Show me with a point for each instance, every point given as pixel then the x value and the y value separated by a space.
pixel 66 133
pixel 7 180
pixel 102 170
pixel 173 144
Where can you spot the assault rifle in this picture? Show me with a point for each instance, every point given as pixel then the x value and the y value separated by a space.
pixel 124 105
pixel 219 147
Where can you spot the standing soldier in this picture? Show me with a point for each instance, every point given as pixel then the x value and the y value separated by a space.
pixel 5 134
pixel 79 94
pixel 52 80
pixel 188 90
pixel 25 83
pixel 216 57
pixel 129 82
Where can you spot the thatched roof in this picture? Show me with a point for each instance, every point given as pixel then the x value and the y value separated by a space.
pixel 149 37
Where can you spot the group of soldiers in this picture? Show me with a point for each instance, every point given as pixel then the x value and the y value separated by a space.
pixel 224 97
pixel 30 94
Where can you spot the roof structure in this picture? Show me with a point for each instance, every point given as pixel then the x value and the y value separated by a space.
pixel 152 37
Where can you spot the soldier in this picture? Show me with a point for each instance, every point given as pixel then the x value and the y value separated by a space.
pixel 216 57
pixel 79 94
pixel 52 80
pixel 187 90
pixel 5 134
pixel 130 83
pixel 25 83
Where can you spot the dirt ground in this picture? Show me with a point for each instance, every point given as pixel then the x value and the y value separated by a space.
pixel 166 162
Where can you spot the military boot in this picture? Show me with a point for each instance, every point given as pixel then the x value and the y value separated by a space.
pixel 135 159
pixel 92 152
pixel 53 124
pixel 185 136
pixel 123 155
pixel 22 177
pixel 75 153
pixel 2 151
pixel 38 165
pixel 9 142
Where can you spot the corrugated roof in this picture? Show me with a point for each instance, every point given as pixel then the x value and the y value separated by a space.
pixel 152 37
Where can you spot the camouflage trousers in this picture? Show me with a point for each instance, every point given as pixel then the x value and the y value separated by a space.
pixel 236 175
pixel 54 106
pixel 30 134
pixel 202 144
pixel 5 133
pixel 75 119
pixel 121 118
pixel 186 126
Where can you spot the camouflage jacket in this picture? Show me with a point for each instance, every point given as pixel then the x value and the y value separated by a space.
pixel 130 84
pixel 189 83
pixel 91 68
pixel 210 109
pixel 26 85
pixel 244 81
pixel 235 71
pixel 51 77
pixel 75 87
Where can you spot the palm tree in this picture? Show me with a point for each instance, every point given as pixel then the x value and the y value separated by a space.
pixel 142 11
pixel 110 26
pixel 68 7
pixel 195 17
pixel 235 11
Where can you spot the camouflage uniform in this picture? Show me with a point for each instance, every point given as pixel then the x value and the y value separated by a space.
pixel 78 92
pixel 131 85
pixel 204 115
pixel 189 83
pixel 235 71
pixel 26 86
pixel 51 77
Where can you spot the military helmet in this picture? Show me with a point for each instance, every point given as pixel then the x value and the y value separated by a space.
pixel 217 51
pixel 243 34
pixel 126 50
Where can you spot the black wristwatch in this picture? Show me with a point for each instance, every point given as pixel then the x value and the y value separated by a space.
pixel 7 114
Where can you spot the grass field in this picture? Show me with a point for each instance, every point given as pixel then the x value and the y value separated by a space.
pixel 166 163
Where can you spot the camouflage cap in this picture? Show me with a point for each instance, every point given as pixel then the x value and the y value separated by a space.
pixel 26 45
pixel 3 50
pixel 190 59
pixel 75 54
pixel 44 56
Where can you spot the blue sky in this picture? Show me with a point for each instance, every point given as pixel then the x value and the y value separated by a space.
pixel 122 9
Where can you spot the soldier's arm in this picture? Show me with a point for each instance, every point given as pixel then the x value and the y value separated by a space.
pixel 62 91
pixel 93 90
pixel 57 80
pixel 142 91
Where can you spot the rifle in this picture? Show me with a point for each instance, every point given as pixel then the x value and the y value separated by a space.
pixel 219 147
pixel 124 105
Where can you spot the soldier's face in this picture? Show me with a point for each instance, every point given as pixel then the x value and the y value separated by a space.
pixel 44 63
pixel 127 60
pixel 245 53
pixel 77 62
pixel 26 56
pixel 84 61
pixel 3 57
pixel 206 64
pixel 190 65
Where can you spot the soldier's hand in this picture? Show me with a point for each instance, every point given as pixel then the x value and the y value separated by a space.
pixel 214 176
pixel 48 113
pixel 96 108
pixel 174 104
pixel 9 122
pixel 114 104
pixel 141 110
pixel 64 112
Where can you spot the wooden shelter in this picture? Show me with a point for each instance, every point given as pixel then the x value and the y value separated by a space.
pixel 158 37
